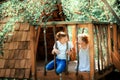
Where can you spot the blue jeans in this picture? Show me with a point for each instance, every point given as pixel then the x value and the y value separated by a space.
pixel 60 65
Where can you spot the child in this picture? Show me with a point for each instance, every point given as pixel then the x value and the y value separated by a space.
pixel 83 44
pixel 60 48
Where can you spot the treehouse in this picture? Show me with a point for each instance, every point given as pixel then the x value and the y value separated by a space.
pixel 25 56
pixel 28 48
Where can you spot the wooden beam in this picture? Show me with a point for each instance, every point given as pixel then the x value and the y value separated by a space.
pixel 112 11
pixel 37 39
pixel 69 23
pixel 91 50
pixel 33 56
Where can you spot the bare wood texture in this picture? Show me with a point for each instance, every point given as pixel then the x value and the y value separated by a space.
pixel 73 56
pixel 32 31
pixel 116 56
pixel 109 43
pixel 115 37
pixel 91 50
pixel 37 39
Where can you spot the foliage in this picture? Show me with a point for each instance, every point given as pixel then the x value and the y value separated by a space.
pixel 34 12
pixel 23 11
pixel 83 10
pixel 29 11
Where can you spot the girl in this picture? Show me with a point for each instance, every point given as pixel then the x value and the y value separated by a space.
pixel 83 53
pixel 60 48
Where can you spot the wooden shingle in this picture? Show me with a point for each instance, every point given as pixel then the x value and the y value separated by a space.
pixel 11 54
pixel 6 54
pixel 9 38
pixel 11 64
pixel 6 46
pixel 21 73
pixel 2 63
pixel 27 73
pixel 12 73
pixel 17 36
pixel 17 26
pixel 21 54
pixel 24 36
pixel 2 72
pixel 17 64
pixel 27 54
pixel 27 27
pixel 7 73
pixel 28 64
pixel 13 45
pixel 16 73
pixel 28 36
pixel 24 27
pixel 7 64
pixel 22 64
pixel 24 45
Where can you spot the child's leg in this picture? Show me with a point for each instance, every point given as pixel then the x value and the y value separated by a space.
pixel 61 66
pixel 50 65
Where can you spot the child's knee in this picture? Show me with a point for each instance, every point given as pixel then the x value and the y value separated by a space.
pixel 58 71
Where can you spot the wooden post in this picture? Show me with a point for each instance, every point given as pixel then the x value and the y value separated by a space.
pixel 109 44
pixel 73 56
pixel 33 56
pixel 118 33
pixel 37 39
pixel 115 37
pixel 91 50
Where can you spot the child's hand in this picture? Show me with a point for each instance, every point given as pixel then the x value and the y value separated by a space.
pixel 55 51
pixel 69 52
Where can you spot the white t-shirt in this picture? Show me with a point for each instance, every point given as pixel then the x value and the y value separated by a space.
pixel 84 59
pixel 62 49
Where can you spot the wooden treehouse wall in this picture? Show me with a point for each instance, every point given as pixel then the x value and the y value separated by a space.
pixel 16 61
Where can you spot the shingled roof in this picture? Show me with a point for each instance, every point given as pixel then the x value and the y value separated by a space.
pixel 15 63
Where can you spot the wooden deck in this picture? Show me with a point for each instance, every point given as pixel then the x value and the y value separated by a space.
pixel 51 75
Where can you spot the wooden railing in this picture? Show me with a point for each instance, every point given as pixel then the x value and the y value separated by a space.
pixel 100 36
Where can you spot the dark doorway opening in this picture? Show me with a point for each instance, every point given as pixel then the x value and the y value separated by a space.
pixel 40 55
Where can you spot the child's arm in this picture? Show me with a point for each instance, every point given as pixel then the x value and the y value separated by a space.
pixel 55 51
pixel 69 52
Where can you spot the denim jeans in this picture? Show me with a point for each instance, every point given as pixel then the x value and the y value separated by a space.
pixel 60 65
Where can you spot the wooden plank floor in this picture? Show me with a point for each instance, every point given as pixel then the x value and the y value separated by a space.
pixel 51 75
